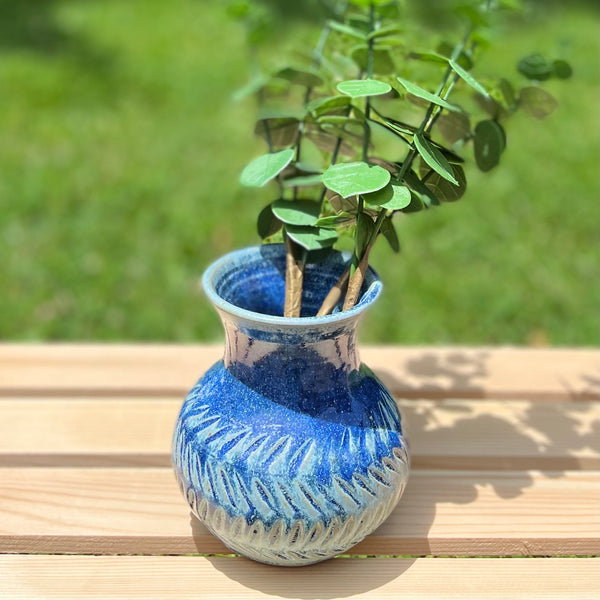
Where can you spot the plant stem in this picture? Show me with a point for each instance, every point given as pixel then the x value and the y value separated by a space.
pixel 367 135
pixel 360 263
pixel 294 279
pixel 296 256
pixel 356 280
pixel 335 294
pixel 433 112
pixel 452 83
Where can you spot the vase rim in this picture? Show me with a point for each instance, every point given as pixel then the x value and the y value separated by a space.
pixel 217 268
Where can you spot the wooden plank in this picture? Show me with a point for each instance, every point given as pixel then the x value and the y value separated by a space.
pixel 92 369
pixel 410 372
pixel 196 578
pixel 131 511
pixel 503 434
pixel 502 373
pixel 452 434
pixel 87 431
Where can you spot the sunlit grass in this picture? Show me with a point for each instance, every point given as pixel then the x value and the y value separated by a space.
pixel 119 161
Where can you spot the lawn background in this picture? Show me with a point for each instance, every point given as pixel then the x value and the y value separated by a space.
pixel 120 151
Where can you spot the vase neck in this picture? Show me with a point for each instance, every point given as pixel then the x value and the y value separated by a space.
pixel 281 350
pixel 310 376
pixel 305 363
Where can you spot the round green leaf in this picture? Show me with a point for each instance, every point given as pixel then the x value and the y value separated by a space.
pixel 280 132
pixel 507 93
pixel 391 197
pixel 446 191
pixel 454 126
pixel 330 104
pixel 488 144
pixel 311 238
pixel 343 205
pixel 417 202
pixel 535 67
pixel 350 179
pixel 356 88
pixel 389 233
pixel 267 223
pixel 421 194
pixel 266 167
pixel 562 69
pixel 328 142
pixel 537 102
pixel 296 212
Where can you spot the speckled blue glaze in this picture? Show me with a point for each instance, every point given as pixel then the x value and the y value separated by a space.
pixel 289 449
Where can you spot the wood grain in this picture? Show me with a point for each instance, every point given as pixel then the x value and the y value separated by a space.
pixel 129 511
pixel 506 455
pixel 410 372
pixel 197 578
pixel 453 434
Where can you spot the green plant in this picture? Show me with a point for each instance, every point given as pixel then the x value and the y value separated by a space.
pixel 356 136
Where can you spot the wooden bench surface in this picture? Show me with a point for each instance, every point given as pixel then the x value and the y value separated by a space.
pixel 502 501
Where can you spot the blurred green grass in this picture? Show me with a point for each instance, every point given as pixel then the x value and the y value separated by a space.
pixel 119 159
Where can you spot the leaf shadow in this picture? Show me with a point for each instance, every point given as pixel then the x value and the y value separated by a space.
pixel 493 444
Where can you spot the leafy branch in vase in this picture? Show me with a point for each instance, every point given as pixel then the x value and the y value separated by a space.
pixel 347 152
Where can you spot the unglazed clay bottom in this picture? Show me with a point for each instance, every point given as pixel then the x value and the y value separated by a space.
pixel 289 450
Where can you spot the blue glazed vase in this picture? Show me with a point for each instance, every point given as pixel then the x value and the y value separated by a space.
pixel 289 450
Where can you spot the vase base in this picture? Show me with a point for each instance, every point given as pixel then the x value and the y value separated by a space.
pixel 300 543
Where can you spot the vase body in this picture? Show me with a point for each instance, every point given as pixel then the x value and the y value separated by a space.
pixel 289 449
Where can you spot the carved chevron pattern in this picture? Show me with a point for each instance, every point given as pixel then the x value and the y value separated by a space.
pixel 287 514
pixel 296 543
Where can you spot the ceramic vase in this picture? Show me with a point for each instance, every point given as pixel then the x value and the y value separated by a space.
pixel 289 450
